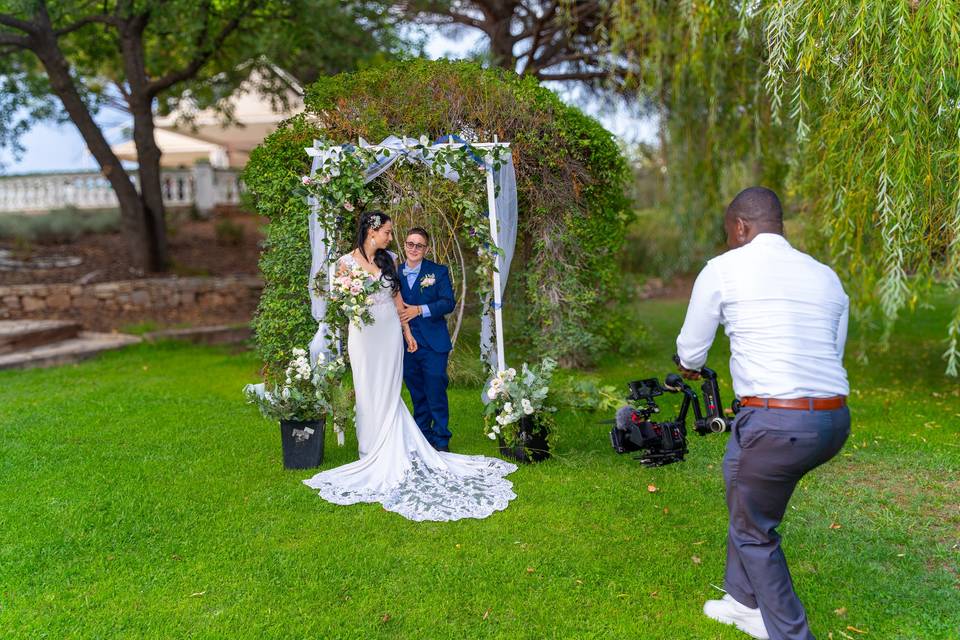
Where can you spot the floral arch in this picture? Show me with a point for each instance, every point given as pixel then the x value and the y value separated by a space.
pixel 340 183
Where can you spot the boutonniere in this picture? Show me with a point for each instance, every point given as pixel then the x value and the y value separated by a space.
pixel 428 281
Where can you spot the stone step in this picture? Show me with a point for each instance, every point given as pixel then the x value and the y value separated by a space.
pixel 83 346
pixel 18 335
pixel 213 334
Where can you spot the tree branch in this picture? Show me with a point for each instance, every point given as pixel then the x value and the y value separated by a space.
pixel 462 18
pixel 191 69
pixel 18 24
pixel 14 41
pixel 576 75
pixel 79 24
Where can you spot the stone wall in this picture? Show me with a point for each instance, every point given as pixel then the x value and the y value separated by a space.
pixel 107 305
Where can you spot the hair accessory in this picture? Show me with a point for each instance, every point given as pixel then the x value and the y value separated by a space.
pixel 376 222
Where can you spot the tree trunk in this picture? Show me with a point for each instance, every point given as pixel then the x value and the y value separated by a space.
pixel 132 210
pixel 499 20
pixel 140 101
pixel 151 189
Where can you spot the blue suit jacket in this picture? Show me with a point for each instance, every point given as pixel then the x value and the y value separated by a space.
pixel 431 332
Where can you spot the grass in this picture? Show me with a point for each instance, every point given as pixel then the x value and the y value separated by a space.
pixel 143 499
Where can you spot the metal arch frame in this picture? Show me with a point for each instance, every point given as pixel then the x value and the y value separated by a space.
pixel 494 231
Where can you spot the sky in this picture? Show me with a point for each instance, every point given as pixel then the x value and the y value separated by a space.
pixel 60 148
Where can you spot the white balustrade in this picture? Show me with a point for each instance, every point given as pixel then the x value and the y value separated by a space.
pixel 42 192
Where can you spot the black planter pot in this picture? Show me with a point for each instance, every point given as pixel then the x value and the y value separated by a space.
pixel 532 438
pixel 302 443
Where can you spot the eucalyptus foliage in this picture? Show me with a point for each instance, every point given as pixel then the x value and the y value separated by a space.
pixel 852 109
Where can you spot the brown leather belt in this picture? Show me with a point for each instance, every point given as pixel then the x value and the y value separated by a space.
pixel 802 404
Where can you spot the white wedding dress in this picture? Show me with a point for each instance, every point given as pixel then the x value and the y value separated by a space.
pixel 397 467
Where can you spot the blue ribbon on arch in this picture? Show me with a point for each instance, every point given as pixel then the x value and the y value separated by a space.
pixel 455 138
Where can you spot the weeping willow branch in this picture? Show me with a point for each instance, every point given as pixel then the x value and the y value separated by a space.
pixel 850 109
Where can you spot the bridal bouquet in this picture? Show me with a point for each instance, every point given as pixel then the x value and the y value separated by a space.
pixel 308 393
pixel 350 295
pixel 515 397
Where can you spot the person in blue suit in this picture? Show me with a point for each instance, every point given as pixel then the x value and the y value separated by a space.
pixel 428 296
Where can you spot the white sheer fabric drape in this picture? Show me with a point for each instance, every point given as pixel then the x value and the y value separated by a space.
pixel 390 151
pixel 506 206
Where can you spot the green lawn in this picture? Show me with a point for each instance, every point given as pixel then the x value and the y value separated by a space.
pixel 143 499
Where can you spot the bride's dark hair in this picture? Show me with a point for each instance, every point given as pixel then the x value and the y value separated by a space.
pixel 388 270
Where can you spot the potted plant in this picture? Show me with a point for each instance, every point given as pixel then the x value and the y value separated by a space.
pixel 301 405
pixel 518 415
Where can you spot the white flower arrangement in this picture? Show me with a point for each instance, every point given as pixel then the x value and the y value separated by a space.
pixel 514 397
pixel 428 281
pixel 309 392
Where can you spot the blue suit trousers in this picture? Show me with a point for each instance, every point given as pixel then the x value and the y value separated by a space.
pixel 425 374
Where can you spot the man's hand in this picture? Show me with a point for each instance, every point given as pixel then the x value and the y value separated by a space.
pixel 689 374
pixel 409 312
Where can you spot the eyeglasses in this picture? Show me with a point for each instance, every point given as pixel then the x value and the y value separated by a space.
pixel 411 246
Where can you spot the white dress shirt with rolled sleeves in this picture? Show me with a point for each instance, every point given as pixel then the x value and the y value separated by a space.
pixel 785 314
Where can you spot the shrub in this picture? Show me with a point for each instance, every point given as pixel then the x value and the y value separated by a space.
pixel 228 233
pixel 654 245
pixel 58 226
pixel 570 180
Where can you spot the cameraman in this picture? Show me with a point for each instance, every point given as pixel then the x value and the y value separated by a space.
pixel 786 316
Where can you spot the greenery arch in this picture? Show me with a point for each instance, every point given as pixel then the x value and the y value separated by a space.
pixel 570 182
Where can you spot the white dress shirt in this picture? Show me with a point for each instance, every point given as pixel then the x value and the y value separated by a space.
pixel 412 273
pixel 785 314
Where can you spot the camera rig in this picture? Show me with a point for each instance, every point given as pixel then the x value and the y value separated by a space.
pixel 661 443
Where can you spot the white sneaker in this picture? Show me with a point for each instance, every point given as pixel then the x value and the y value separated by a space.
pixel 729 611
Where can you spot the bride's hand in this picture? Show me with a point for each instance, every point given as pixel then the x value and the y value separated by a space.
pixel 411 343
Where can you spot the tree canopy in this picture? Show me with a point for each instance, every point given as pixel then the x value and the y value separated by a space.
pixel 560 40
pixel 143 56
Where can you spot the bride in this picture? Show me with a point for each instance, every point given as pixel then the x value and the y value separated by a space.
pixel 398 467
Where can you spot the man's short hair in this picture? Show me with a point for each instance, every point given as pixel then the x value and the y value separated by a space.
pixel 420 231
pixel 758 205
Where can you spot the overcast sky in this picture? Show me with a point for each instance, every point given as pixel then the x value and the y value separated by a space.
pixel 60 148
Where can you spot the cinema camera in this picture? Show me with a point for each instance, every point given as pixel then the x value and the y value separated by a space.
pixel 661 443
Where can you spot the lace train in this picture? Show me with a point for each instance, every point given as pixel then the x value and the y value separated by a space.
pixel 430 493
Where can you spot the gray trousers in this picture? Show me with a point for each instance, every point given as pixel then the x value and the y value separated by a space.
pixel 769 450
